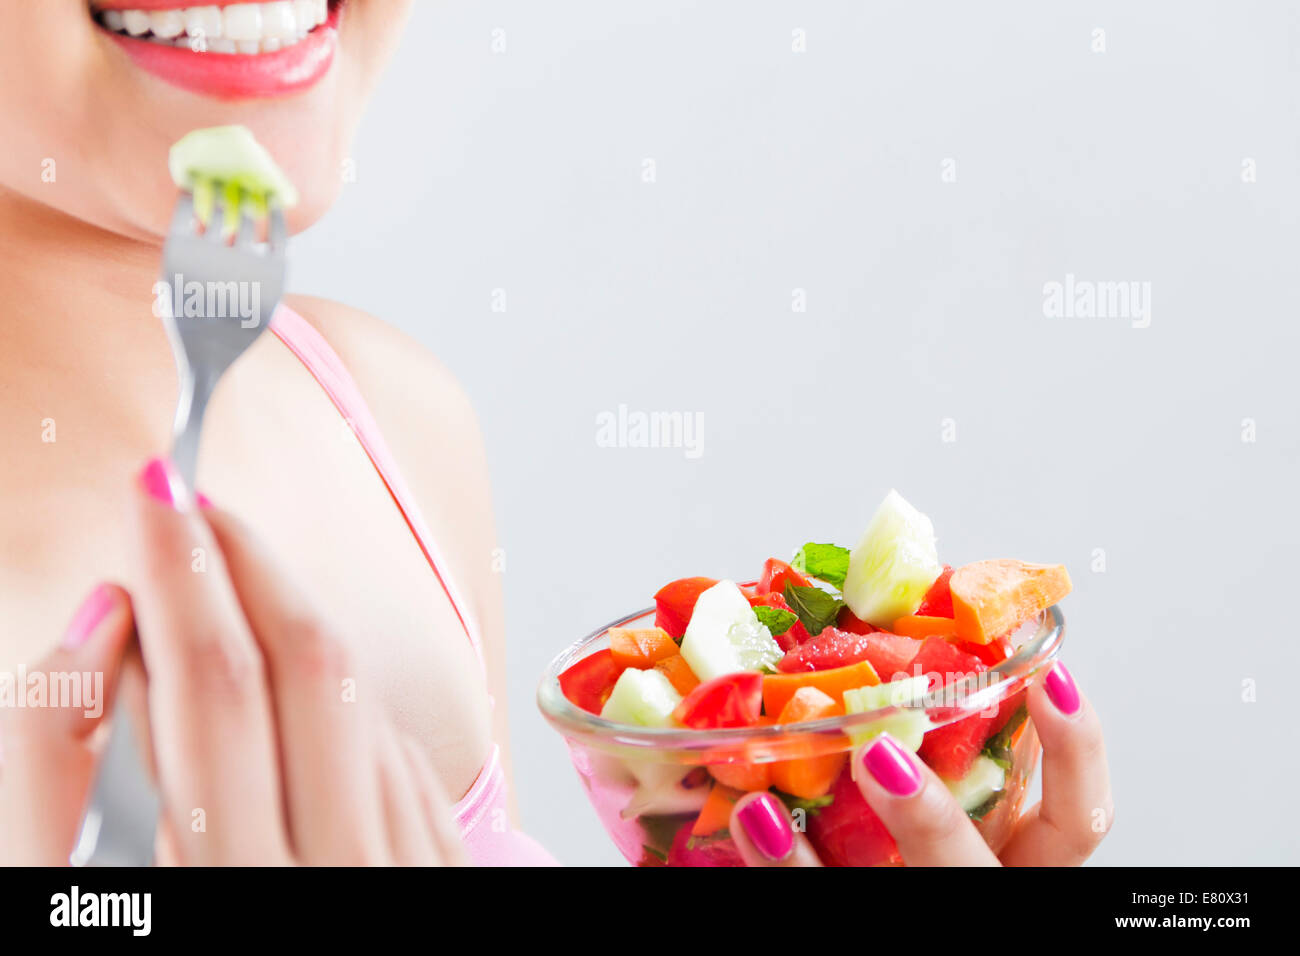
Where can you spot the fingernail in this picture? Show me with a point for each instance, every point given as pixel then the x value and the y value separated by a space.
pixel 891 767
pixel 767 828
pixel 93 610
pixel 1061 689
pixel 160 481
pixel 202 500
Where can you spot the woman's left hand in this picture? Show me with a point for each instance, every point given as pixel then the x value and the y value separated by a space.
pixel 931 828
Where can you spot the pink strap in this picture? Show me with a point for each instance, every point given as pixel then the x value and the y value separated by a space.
pixel 302 339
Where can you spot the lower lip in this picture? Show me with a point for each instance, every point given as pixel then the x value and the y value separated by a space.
pixel 237 75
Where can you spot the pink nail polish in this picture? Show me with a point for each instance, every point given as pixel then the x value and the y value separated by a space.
pixel 1061 689
pixel 891 767
pixel 202 500
pixel 766 826
pixel 160 481
pixel 93 610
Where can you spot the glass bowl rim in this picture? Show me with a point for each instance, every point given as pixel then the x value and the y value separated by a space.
pixel 1017 671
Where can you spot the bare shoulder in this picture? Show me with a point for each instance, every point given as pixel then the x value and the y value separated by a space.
pixel 433 433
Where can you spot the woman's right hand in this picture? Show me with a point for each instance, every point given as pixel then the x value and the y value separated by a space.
pixel 263 755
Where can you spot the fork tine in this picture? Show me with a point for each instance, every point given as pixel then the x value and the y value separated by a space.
pixel 247 234
pixel 277 233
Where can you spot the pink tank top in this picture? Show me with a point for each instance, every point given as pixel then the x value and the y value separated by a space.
pixel 481 814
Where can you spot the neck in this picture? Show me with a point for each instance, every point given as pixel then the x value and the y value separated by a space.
pixel 71 287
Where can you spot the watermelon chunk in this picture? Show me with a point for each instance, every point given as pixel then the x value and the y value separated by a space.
pixel 847 832
pixel 835 648
pixel 947 662
pixel 691 850
pixel 951 751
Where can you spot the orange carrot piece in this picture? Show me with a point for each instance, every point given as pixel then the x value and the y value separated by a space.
pixel 715 815
pixel 779 688
pixel 640 648
pixel 743 776
pixel 679 673
pixel 923 626
pixel 992 598
pixel 809 777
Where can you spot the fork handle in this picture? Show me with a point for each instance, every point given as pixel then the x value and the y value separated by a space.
pixel 191 406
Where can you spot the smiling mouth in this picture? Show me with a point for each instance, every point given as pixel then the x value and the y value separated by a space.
pixel 237 28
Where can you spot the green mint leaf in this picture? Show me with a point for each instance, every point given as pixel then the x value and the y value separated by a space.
pixel 825 562
pixel 998 748
pixel 809 806
pixel 776 619
pixel 815 607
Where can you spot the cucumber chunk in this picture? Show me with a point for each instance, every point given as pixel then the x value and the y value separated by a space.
pixel 982 781
pixel 725 636
pixel 232 157
pixel 908 727
pixel 642 698
pixel 893 565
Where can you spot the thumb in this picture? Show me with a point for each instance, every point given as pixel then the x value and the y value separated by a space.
pixel 46 757
pixel 761 828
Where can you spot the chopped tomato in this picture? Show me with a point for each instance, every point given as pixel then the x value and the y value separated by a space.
pixel 848 621
pixel 675 602
pixel 732 700
pixel 679 674
pixel 776 575
pixel 588 683
pixel 779 688
pixel 796 634
pixel 938 600
pixel 993 653
pixel 641 647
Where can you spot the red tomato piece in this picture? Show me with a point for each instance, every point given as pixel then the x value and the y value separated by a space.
pixel 675 602
pixel 848 621
pixel 938 600
pixel 776 574
pixel 588 683
pixel 732 700
pixel 796 634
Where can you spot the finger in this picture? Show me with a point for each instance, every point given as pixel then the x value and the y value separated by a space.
pixel 1076 810
pixel 929 826
pixel 410 840
pixel 47 760
pixel 210 713
pixel 437 807
pixel 327 735
pixel 761 829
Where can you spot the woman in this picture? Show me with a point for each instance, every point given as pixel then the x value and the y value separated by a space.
pixel 373 674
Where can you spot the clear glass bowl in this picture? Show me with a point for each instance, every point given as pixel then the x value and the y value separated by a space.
pixel 647 784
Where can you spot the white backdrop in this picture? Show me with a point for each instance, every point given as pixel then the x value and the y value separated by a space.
pixel 582 205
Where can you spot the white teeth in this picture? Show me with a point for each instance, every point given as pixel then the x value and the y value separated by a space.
pixel 203 21
pixel 136 22
pixel 243 22
pixel 279 21
pixel 167 24
pixel 247 28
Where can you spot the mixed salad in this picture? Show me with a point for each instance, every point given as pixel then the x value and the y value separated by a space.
pixel 833 631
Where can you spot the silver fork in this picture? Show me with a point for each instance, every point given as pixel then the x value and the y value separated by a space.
pixel 239 286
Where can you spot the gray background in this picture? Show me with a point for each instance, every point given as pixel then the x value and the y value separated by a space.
pixel 820 171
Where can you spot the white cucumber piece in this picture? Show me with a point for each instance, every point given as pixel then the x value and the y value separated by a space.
pixel 893 565
pixel 725 635
pixel 230 156
pixel 982 780
pixel 908 727
pixel 642 698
